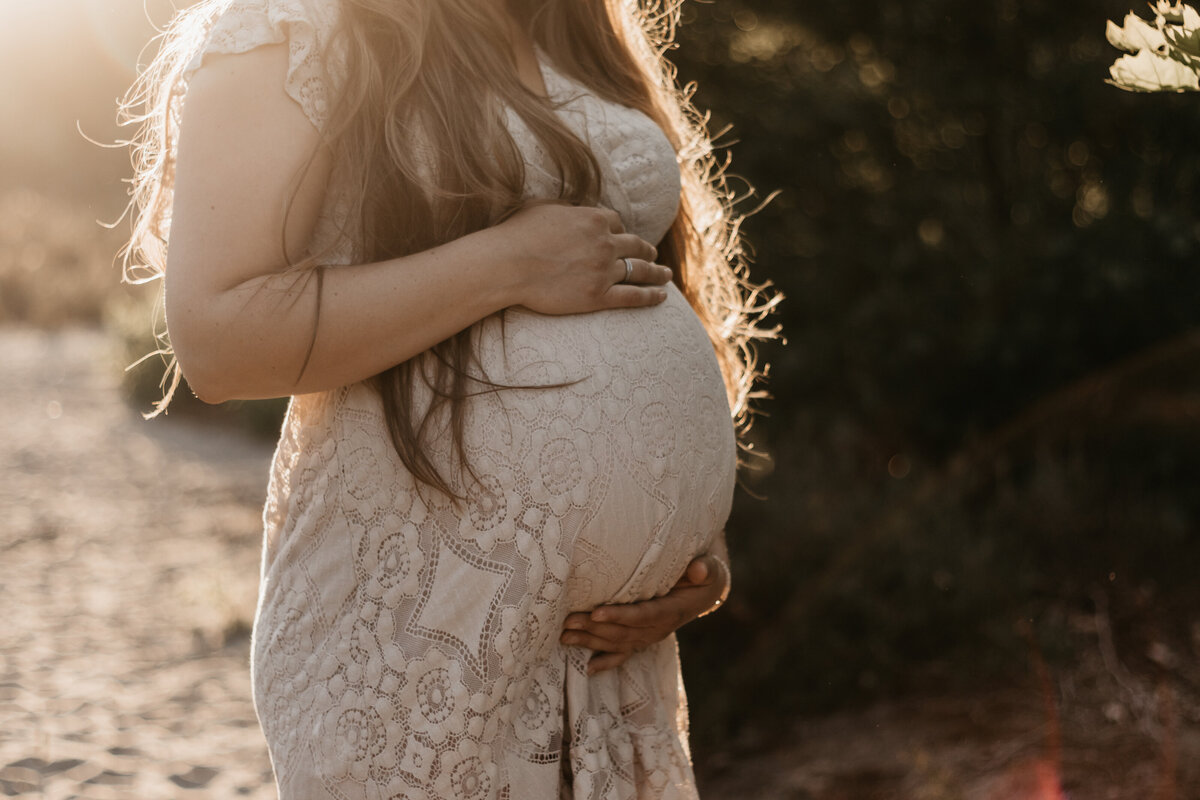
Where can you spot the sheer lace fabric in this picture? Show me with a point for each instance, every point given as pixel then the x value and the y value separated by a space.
pixel 406 646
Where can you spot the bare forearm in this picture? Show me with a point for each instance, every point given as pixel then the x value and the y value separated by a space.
pixel 250 340
pixel 251 180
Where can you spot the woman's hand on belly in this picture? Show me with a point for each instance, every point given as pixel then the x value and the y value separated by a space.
pixel 616 632
pixel 250 186
pixel 572 260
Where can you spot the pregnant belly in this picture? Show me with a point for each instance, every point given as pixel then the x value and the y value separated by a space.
pixel 627 463
pixel 598 488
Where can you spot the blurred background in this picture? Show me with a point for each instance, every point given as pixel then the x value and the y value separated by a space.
pixel 965 565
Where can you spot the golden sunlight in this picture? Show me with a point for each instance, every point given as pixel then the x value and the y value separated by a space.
pixel 63 64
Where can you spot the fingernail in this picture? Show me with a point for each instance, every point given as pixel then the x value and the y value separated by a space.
pixel 600 616
pixel 661 294
pixel 569 639
pixel 669 273
pixel 574 624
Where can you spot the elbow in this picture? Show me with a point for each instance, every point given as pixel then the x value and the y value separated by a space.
pixel 208 393
pixel 220 356
pixel 219 368
pixel 196 351
pixel 199 347
pixel 202 377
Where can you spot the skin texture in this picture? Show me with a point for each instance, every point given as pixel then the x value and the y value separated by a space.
pixel 615 632
pixel 241 322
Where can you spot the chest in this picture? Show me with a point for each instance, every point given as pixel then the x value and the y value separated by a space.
pixel 639 171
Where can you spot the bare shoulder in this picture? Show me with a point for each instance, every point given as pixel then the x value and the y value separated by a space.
pixel 255 78
pixel 249 166
pixel 237 109
pixel 237 112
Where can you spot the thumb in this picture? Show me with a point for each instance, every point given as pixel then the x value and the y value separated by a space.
pixel 698 571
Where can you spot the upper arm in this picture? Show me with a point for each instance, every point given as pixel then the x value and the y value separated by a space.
pixel 248 161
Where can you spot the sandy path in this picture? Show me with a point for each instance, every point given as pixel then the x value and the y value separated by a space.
pixel 128 566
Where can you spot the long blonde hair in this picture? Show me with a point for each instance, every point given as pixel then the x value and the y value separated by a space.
pixel 422 71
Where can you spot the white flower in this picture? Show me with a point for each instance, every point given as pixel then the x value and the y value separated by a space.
pixel 436 696
pixel 1148 72
pixel 534 709
pixel 399 788
pixel 1135 35
pixel 536 360
pixel 1176 13
pixel 310 488
pixel 625 336
pixel 468 772
pixel 364 649
pixel 293 634
pixel 371 485
pixel 493 505
pixel 418 760
pixel 652 432
pixel 1164 54
pixel 522 635
pixel 361 733
pixel 564 467
pixel 330 674
pixel 594 747
pixel 392 559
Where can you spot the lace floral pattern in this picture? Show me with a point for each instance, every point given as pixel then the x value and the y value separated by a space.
pixel 406 645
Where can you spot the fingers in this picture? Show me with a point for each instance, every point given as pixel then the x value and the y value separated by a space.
pixel 642 273
pixel 624 628
pixel 618 638
pixel 634 615
pixel 615 631
pixel 603 661
pixel 600 644
pixel 626 295
pixel 627 244
pixel 645 279
pixel 645 286
pixel 577 620
pixel 613 219
pixel 612 633
pixel 645 614
pixel 704 569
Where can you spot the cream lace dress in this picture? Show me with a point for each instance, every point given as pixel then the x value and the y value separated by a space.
pixel 407 647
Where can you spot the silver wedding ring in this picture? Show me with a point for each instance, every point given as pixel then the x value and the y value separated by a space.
pixel 628 270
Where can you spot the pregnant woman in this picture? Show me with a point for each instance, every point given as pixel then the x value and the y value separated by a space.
pixel 482 246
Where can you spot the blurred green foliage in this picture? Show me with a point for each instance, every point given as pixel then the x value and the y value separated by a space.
pixel 987 408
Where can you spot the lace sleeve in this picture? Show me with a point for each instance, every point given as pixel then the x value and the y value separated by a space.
pixel 305 25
